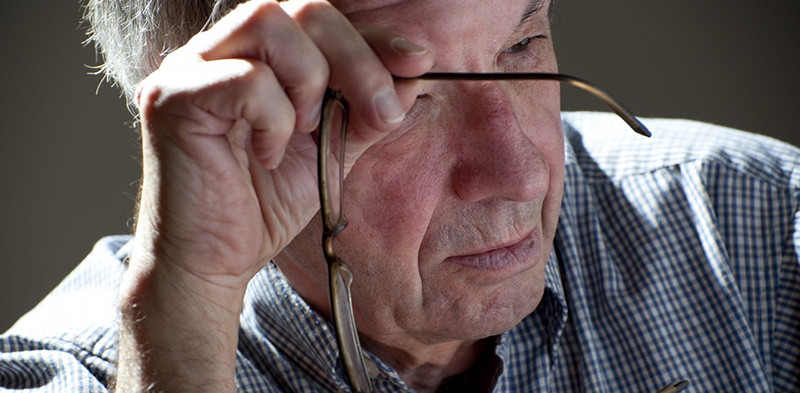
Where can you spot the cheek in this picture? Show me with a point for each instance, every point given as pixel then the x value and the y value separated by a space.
pixel 391 202
pixel 539 104
pixel 392 199
pixel 541 122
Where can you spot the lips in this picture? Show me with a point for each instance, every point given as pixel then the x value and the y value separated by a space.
pixel 520 252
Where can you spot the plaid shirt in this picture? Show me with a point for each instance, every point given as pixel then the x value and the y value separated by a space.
pixel 676 257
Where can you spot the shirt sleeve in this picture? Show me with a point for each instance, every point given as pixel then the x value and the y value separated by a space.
pixel 68 343
pixel 51 365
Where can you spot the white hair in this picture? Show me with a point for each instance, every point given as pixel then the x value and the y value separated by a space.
pixel 133 36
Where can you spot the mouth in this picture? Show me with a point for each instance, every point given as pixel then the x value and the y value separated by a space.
pixel 518 253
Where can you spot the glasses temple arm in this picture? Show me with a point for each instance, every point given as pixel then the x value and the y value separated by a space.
pixel 612 102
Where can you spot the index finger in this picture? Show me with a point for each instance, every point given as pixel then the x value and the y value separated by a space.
pixel 358 71
pixel 261 30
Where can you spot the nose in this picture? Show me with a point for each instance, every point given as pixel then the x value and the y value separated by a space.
pixel 495 156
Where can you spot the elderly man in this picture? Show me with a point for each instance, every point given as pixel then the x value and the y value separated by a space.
pixel 495 245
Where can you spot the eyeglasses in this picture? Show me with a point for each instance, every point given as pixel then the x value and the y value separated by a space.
pixel 331 177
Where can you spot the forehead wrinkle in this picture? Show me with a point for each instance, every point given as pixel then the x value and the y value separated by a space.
pixel 533 8
pixel 349 6
pixel 430 24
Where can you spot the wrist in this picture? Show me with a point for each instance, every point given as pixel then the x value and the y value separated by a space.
pixel 179 332
pixel 162 283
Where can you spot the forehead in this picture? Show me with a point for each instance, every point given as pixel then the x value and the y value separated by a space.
pixel 441 15
pixel 350 6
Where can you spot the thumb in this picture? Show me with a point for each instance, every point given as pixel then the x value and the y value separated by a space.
pixel 360 136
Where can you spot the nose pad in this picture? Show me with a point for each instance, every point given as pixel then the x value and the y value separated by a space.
pixel 496 158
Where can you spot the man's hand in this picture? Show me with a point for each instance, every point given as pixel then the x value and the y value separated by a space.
pixel 230 173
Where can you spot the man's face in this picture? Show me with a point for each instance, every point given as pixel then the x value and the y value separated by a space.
pixel 452 216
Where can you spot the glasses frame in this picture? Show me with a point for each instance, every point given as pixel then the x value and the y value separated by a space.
pixel 340 277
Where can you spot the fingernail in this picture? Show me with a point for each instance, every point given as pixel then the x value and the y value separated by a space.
pixel 313 119
pixel 407 48
pixel 388 105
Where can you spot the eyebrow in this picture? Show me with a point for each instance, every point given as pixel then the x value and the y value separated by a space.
pixel 534 6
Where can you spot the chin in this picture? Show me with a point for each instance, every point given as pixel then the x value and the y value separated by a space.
pixel 479 314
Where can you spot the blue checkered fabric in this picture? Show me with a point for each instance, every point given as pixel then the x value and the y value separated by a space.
pixel 676 257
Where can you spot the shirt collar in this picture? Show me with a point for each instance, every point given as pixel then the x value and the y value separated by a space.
pixel 300 336
pixel 552 310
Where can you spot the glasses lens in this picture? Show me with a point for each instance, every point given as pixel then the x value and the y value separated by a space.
pixel 336 122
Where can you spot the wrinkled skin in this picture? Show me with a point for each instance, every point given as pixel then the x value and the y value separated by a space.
pixel 453 207
pixel 476 166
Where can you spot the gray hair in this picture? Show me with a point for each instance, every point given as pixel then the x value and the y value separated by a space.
pixel 133 36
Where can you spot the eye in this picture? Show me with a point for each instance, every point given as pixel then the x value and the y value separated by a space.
pixel 521 46
pixel 418 106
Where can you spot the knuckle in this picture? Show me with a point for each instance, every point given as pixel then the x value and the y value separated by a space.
pixel 261 9
pixel 257 83
pixel 317 79
pixel 278 127
pixel 254 76
pixel 261 19
pixel 284 124
pixel 149 95
pixel 154 94
pixel 317 17
pixel 302 63
pixel 312 11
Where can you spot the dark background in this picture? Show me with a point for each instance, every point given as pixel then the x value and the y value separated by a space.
pixel 68 155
